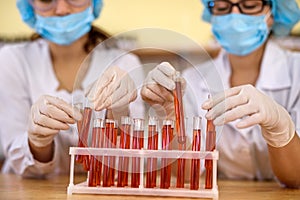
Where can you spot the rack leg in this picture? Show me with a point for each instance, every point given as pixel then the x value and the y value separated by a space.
pixel 71 183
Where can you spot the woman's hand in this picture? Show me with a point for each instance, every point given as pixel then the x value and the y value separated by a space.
pixel 48 116
pixel 158 88
pixel 252 107
pixel 113 89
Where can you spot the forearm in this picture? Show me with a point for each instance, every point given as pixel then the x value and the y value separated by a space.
pixel 42 154
pixel 285 162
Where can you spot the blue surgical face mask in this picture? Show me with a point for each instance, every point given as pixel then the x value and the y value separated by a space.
pixel 240 34
pixel 66 29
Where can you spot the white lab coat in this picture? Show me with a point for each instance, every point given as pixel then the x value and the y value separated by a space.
pixel 26 74
pixel 244 153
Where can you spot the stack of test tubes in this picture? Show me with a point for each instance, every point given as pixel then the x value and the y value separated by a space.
pixel 138 164
pixel 131 168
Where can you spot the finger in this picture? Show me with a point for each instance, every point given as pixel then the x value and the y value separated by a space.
pixel 249 121
pixel 160 92
pixel 45 121
pixel 38 129
pixel 100 85
pixel 108 99
pixel 123 95
pixel 105 98
pixel 124 99
pixel 55 113
pixel 239 112
pixel 167 69
pixel 228 104
pixel 150 97
pixel 163 80
pixel 216 99
pixel 70 113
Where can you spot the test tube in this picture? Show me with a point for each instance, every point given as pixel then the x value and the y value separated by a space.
pixel 180 128
pixel 114 145
pixel 210 146
pixel 196 145
pixel 167 137
pixel 100 129
pixel 110 140
pixel 95 161
pixel 179 112
pixel 152 145
pixel 124 144
pixel 137 143
pixel 79 105
pixel 84 133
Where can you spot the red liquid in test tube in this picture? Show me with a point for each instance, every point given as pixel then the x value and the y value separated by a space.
pixel 210 146
pixel 180 128
pixel 124 144
pixel 83 135
pixel 113 158
pixel 95 164
pixel 108 160
pixel 167 137
pixel 96 161
pixel 100 145
pixel 152 145
pixel 196 146
pixel 137 143
pixel 79 125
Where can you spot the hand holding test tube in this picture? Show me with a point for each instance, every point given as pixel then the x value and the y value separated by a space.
pixel 158 89
pixel 48 116
pixel 253 107
pixel 113 89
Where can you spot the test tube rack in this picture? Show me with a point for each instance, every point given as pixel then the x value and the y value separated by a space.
pixel 83 188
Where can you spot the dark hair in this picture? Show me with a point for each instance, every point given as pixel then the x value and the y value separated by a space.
pixel 96 36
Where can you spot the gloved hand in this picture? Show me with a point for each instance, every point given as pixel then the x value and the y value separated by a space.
pixel 113 89
pixel 48 116
pixel 158 87
pixel 252 107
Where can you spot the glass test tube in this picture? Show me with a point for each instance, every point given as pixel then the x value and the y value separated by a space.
pixel 124 144
pixel 96 161
pixel 210 146
pixel 179 112
pixel 84 134
pixel 152 145
pixel 109 161
pixel 137 143
pixel 167 137
pixel 180 128
pixel 196 146
pixel 79 105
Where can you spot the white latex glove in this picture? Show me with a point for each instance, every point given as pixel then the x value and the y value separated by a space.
pixel 159 84
pixel 158 89
pixel 252 107
pixel 48 116
pixel 113 89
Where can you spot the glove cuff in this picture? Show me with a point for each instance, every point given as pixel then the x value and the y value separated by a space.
pixel 284 131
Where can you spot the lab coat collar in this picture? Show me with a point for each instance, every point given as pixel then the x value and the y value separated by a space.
pixel 273 73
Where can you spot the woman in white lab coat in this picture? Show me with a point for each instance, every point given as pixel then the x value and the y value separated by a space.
pixel 39 78
pixel 254 86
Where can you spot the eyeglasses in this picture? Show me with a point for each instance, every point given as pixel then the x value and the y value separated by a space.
pixel 46 5
pixel 250 7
